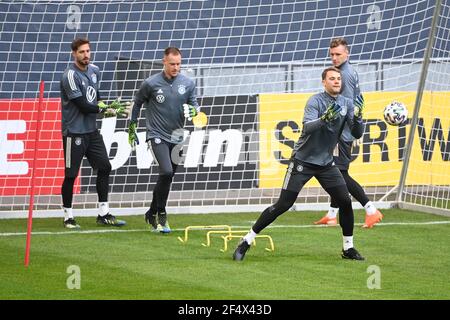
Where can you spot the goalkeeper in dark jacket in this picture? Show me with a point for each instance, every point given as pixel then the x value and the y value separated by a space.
pixel 168 97
pixel 325 116
pixel 80 105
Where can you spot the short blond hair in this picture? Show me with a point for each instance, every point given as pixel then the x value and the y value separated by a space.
pixel 336 42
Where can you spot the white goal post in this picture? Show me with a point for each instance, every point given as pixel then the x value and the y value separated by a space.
pixel 255 63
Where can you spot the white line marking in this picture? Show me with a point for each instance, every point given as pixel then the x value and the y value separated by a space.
pixel 9 234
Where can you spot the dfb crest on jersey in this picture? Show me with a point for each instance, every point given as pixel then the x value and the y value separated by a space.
pixel 343 111
pixel 299 168
pixel 94 78
pixel 77 141
pixel 157 140
pixel 181 89
pixel 160 98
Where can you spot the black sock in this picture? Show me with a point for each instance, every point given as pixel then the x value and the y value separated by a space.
pixel 67 192
pixel 162 189
pixel 102 185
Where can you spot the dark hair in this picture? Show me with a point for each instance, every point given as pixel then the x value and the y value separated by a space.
pixel 172 50
pixel 324 73
pixel 78 42
pixel 336 42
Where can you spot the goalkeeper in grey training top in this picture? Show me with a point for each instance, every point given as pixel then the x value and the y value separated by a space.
pixel 80 104
pixel 339 53
pixel 325 116
pixel 168 97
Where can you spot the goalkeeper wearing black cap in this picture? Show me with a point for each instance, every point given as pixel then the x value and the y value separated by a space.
pixel 80 105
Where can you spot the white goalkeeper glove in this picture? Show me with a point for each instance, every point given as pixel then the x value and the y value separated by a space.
pixel 189 111
pixel 357 142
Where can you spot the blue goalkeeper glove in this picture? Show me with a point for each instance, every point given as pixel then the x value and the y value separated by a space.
pixel 332 112
pixel 359 106
pixel 189 111
pixel 133 139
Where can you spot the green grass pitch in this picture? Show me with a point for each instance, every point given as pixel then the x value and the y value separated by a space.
pixel 410 250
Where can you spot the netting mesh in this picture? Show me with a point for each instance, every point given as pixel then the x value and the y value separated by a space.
pixel 254 63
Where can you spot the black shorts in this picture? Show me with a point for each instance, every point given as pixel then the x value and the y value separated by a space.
pixel 299 173
pixel 344 154
pixel 91 145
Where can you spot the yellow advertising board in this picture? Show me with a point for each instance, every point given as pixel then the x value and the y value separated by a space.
pixel 379 159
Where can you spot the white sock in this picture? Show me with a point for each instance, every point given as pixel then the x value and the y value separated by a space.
pixel 67 213
pixel 103 208
pixel 249 237
pixel 348 242
pixel 370 208
pixel 332 212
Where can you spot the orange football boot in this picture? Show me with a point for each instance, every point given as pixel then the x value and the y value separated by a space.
pixel 372 219
pixel 327 221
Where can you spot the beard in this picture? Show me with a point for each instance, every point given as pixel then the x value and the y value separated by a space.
pixel 83 62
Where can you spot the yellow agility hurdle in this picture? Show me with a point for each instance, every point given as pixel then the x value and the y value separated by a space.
pixel 228 232
pixel 227 238
pixel 186 230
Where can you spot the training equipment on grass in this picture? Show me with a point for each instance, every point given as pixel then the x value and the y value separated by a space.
pixel 270 248
pixel 229 232
pixel 189 228
pixel 226 235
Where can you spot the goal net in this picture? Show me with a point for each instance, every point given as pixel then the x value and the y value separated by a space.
pixel 255 63
pixel 426 178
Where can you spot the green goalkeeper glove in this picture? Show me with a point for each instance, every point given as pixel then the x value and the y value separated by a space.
pixel 106 110
pixel 332 112
pixel 116 108
pixel 359 106
pixel 189 111
pixel 123 109
pixel 133 139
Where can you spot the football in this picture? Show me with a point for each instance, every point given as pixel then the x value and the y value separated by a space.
pixel 395 113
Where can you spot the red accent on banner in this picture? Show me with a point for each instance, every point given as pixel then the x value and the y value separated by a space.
pixel 50 154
